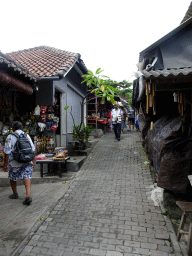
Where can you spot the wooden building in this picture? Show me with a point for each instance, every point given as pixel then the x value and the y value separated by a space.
pixel 162 91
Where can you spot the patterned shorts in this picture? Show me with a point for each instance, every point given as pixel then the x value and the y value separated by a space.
pixel 23 172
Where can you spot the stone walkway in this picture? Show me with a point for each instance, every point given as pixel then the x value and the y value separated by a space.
pixel 107 209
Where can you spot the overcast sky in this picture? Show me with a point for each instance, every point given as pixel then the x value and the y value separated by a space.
pixel 109 34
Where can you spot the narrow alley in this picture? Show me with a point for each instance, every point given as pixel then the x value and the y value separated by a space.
pixel 107 209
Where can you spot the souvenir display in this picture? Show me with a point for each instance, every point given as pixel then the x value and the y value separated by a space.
pixel 1 157
pixel 43 109
pixel 37 111
pixel 41 127
pixel 41 124
pixel 54 127
pixel 44 117
pixel 40 121
pixel 40 157
pixel 5 130
pixel 61 155
pixel 50 110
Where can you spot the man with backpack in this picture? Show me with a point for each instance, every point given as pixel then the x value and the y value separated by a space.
pixel 19 156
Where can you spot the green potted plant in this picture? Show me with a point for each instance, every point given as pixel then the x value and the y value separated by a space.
pixel 81 134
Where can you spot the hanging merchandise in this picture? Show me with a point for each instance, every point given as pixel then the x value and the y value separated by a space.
pixel 54 127
pixel 5 130
pixel 41 126
pixel 50 143
pixel 32 131
pixel 37 111
pixel 56 120
pixel 43 109
pixel 175 95
pixel 153 89
pixel 39 122
pixel 141 88
pixel 38 145
pixel 50 117
pixel 2 159
pixel 43 144
pixel 48 125
pixel 154 105
pixel 151 126
pixel 44 117
pixel 50 110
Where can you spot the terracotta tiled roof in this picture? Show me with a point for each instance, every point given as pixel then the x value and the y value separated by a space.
pixel 12 64
pixel 45 61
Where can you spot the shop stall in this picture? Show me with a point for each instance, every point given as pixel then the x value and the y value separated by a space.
pixel 162 92
pixel 35 86
pixel 98 114
pixel 40 122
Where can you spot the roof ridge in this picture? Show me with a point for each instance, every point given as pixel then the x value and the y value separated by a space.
pixel 68 53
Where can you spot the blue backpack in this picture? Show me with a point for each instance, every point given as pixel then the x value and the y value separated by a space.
pixel 22 152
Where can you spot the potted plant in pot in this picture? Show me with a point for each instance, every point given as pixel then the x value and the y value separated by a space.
pixel 81 134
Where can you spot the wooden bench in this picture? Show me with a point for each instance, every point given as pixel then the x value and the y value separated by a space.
pixel 51 162
pixel 186 207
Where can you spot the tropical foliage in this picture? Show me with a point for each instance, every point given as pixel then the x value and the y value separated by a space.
pixel 100 85
pixel 81 134
pixel 123 88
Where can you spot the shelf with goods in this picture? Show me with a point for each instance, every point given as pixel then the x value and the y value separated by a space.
pixel 41 124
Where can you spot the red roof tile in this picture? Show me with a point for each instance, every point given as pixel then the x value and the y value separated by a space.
pixel 16 66
pixel 44 61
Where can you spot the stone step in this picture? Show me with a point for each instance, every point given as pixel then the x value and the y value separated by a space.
pixel 75 163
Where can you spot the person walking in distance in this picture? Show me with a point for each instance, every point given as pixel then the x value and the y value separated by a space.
pixel 19 169
pixel 117 115
pixel 124 119
pixel 131 117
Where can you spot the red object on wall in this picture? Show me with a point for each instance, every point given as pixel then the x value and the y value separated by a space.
pixel 17 84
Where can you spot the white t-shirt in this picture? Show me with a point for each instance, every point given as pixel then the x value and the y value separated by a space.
pixel 116 116
pixel 9 147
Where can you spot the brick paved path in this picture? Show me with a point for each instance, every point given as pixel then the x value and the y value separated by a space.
pixel 106 210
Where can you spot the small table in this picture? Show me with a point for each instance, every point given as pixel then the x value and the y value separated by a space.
pixel 50 163
pixel 186 207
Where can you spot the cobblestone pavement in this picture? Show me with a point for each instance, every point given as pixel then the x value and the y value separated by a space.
pixel 107 209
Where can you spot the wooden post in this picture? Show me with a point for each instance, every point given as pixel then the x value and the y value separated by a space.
pixel 181 225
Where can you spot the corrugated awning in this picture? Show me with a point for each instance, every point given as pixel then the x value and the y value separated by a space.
pixel 17 84
pixel 164 73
